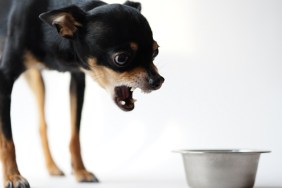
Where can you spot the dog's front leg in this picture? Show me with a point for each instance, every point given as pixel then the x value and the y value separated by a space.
pixel 77 87
pixel 11 174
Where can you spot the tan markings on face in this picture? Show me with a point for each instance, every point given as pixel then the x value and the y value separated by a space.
pixel 31 62
pixel 155 45
pixel 134 46
pixel 97 72
pixel 108 79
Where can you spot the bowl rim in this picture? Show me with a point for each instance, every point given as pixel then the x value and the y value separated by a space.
pixel 222 151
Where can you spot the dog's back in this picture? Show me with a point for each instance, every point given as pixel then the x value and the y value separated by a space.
pixel 4 11
pixel 32 33
pixel 22 11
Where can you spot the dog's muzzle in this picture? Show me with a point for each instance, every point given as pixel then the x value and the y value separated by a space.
pixel 124 94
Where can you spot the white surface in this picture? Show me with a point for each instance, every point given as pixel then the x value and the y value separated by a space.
pixel 222 62
pixel 110 183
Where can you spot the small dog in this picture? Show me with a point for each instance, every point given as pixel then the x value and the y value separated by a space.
pixel 113 43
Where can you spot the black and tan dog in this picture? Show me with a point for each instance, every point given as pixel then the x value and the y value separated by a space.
pixel 113 43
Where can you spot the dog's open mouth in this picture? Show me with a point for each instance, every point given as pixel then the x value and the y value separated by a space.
pixel 123 98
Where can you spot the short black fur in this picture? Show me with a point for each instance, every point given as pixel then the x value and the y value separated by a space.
pixel 73 36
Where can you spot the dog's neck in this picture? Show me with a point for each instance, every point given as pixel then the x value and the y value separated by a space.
pixel 60 53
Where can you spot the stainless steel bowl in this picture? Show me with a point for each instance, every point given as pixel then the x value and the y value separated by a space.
pixel 221 168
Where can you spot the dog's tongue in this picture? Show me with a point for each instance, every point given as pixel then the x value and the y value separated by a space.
pixel 123 98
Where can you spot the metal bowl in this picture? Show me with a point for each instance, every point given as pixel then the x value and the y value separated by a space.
pixel 233 168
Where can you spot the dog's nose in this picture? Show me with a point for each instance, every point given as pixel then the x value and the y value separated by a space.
pixel 156 82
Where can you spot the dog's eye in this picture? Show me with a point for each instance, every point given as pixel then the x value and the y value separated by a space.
pixel 121 59
pixel 155 53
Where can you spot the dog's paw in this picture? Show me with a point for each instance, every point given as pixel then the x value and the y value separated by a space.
pixel 55 171
pixel 85 176
pixel 16 181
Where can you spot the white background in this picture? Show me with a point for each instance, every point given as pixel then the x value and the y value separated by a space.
pixel 222 61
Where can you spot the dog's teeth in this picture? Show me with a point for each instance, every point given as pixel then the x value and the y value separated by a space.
pixel 122 102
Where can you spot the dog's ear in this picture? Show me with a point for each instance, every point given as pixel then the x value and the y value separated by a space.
pixel 136 5
pixel 66 20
